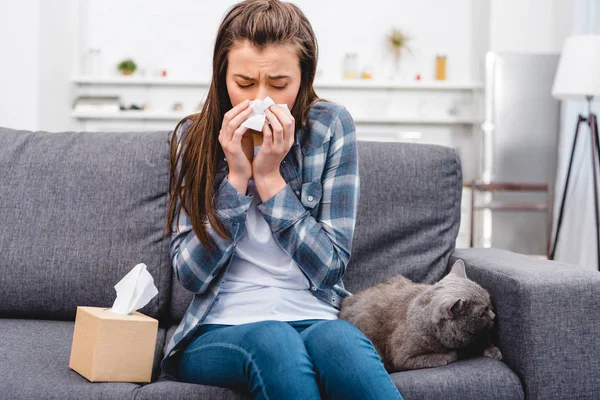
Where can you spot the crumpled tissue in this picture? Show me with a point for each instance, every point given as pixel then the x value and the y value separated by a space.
pixel 134 291
pixel 256 120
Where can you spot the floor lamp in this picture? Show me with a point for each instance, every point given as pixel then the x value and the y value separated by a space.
pixel 578 77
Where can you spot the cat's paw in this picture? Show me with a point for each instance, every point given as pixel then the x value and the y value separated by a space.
pixel 445 358
pixel 493 352
pixel 451 357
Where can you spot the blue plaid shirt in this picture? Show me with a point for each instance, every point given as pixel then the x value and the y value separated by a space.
pixel 312 219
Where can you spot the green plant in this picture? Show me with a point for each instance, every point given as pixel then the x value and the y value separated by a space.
pixel 398 40
pixel 127 66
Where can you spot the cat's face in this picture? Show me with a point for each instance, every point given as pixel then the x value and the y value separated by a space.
pixel 463 307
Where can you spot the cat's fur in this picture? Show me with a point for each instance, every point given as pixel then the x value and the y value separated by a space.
pixel 420 326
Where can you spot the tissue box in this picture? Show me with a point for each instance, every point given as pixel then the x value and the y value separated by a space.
pixel 109 347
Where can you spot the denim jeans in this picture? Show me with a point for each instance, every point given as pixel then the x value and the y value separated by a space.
pixel 308 359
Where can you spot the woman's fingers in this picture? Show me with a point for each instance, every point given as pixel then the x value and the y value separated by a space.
pixel 276 129
pixel 237 121
pixel 287 123
pixel 267 143
pixel 234 111
pixel 226 133
pixel 238 134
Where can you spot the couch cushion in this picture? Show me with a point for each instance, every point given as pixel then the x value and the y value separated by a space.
pixel 80 210
pixel 172 390
pixel 408 214
pixel 35 364
pixel 478 379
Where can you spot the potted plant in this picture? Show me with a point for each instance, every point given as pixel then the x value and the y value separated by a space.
pixel 127 67
pixel 397 41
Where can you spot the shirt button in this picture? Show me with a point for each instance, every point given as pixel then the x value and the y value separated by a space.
pixel 314 289
pixel 310 198
pixel 297 192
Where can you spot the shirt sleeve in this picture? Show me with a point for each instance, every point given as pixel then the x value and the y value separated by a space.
pixel 322 246
pixel 195 266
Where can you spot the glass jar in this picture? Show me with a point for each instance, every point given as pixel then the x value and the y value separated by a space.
pixel 440 68
pixel 367 72
pixel 350 66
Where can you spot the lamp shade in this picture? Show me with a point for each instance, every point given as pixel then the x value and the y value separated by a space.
pixel 578 72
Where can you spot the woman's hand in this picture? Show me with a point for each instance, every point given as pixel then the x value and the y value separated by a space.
pixel 234 141
pixel 278 138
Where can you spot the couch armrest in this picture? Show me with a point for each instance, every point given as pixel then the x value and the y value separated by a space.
pixel 548 320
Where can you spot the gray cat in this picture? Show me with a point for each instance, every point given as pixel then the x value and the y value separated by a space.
pixel 421 326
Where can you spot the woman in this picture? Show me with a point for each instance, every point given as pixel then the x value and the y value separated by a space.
pixel 264 223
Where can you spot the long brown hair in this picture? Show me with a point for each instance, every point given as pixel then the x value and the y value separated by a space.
pixel 262 23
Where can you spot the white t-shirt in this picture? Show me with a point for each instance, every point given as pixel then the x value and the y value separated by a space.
pixel 263 282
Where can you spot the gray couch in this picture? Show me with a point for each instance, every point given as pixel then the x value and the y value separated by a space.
pixel 79 210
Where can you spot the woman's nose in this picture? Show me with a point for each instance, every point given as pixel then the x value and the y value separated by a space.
pixel 262 92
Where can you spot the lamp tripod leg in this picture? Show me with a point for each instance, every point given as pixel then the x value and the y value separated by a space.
pixel 595 154
pixel 580 119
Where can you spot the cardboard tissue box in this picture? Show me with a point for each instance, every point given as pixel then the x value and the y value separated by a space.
pixel 117 344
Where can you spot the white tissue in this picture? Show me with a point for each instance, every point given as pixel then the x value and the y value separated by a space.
pixel 134 291
pixel 256 120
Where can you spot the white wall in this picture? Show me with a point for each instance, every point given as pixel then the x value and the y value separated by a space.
pixel 181 38
pixel 529 26
pixel 57 52
pixel 35 92
pixel 19 63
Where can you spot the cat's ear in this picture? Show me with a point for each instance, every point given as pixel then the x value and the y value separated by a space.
pixel 458 269
pixel 454 307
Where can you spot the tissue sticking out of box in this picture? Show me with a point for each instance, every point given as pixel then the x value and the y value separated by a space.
pixel 134 291
pixel 256 120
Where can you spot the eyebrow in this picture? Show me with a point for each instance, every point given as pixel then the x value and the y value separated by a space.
pixel 272 77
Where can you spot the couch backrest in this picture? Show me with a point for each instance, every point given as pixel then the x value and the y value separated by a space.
pixel 79 211
pixel 408 216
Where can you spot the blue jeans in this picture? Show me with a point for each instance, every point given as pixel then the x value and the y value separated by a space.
pixel 308 359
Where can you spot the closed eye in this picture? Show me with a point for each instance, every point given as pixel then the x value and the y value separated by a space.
pixel 247 86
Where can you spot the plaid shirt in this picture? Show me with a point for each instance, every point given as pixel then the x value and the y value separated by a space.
pixel 312 218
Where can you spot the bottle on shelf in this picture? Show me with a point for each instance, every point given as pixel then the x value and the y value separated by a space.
pixel 440 67
pixel 350 66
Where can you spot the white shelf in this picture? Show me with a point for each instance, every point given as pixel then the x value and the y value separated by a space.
pixel 343 85
pixel 131 115
pixel 417 120
pixel 177 115
pixel 406 85
pixel 137 81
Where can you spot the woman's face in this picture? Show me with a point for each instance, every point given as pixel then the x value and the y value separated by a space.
pixel 253 74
